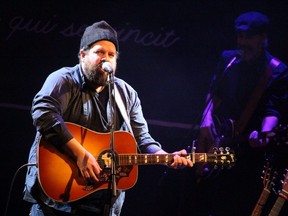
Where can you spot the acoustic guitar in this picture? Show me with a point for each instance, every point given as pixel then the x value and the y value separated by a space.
pixel 61 179
pixel 268 182
pixel 282 197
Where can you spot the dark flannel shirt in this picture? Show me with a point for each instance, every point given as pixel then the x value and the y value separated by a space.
pixel 235 86
pixel 65 97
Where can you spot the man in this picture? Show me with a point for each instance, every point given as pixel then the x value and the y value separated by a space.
pixel 246 99
pixel 80 95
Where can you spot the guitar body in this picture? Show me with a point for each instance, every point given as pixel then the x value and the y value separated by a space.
pixel 227 135
pixel 60 177
pixel 61 180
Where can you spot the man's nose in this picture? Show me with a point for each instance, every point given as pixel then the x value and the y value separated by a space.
pixel 106 55
pixel 103 59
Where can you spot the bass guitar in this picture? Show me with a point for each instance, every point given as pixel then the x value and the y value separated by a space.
pixel 61 179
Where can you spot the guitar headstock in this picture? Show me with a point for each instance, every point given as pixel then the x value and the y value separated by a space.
pixel 285 182
pixel 221 157
pixel 268 176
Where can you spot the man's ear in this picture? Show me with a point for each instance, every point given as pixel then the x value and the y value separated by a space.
pixel 81 53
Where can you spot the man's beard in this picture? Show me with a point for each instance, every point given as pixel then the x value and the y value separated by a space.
pixel 95 76
pixel 251 53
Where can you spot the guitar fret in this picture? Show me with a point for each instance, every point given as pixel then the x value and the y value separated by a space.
pixel 166 159
pixel 201 157
pixel 157 159
pixel 145 159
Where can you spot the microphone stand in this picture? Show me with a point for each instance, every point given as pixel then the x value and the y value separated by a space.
pixel 111 124
pixel 209 100
pixel 211 96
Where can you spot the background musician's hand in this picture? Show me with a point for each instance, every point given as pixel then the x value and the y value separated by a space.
pixel 257 142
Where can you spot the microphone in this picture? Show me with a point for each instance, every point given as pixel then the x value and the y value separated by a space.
pixel 237 57
pixel 107 67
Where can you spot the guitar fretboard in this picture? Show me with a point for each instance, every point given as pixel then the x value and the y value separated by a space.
pixel 277 206
pixel 261 202
pixel 146 159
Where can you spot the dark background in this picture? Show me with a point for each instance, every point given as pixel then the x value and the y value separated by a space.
pixel 169 61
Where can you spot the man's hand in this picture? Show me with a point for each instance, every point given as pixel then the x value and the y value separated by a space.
pixel 180 161
pixel 89 167
pixel 268 124
pixel 86 162
pixel 256 142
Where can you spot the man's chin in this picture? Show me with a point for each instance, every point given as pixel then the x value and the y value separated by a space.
pixel 247 56
pixel 101 83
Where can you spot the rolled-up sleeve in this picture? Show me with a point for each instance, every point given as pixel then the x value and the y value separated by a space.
pixel 48 107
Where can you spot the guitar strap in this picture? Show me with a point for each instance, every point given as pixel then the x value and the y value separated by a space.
pixel 123 112
pixel 256 95
pixel 122 109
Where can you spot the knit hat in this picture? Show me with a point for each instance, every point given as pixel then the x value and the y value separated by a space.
pixel 99 31
pixel 253 23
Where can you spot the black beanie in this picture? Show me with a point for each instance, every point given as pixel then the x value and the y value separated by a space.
pixel 99 31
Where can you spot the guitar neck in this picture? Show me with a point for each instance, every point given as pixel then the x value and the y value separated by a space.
pixel 282 197
pixel 147 159
pixel 277 206
pixel 261 202
pixel 59 175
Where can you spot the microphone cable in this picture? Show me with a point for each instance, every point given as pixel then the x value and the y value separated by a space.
pixel 12 184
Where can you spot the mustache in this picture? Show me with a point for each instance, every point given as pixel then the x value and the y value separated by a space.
pixel 100 64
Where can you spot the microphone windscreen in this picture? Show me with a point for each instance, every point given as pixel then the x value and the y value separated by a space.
pixel 107 67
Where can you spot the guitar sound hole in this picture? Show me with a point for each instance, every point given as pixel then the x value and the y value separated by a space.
pixel 105 159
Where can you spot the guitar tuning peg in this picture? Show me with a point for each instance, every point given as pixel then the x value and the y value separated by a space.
pixel 274 191
pixel 227 149
pixel 215 150
pixel 221 149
